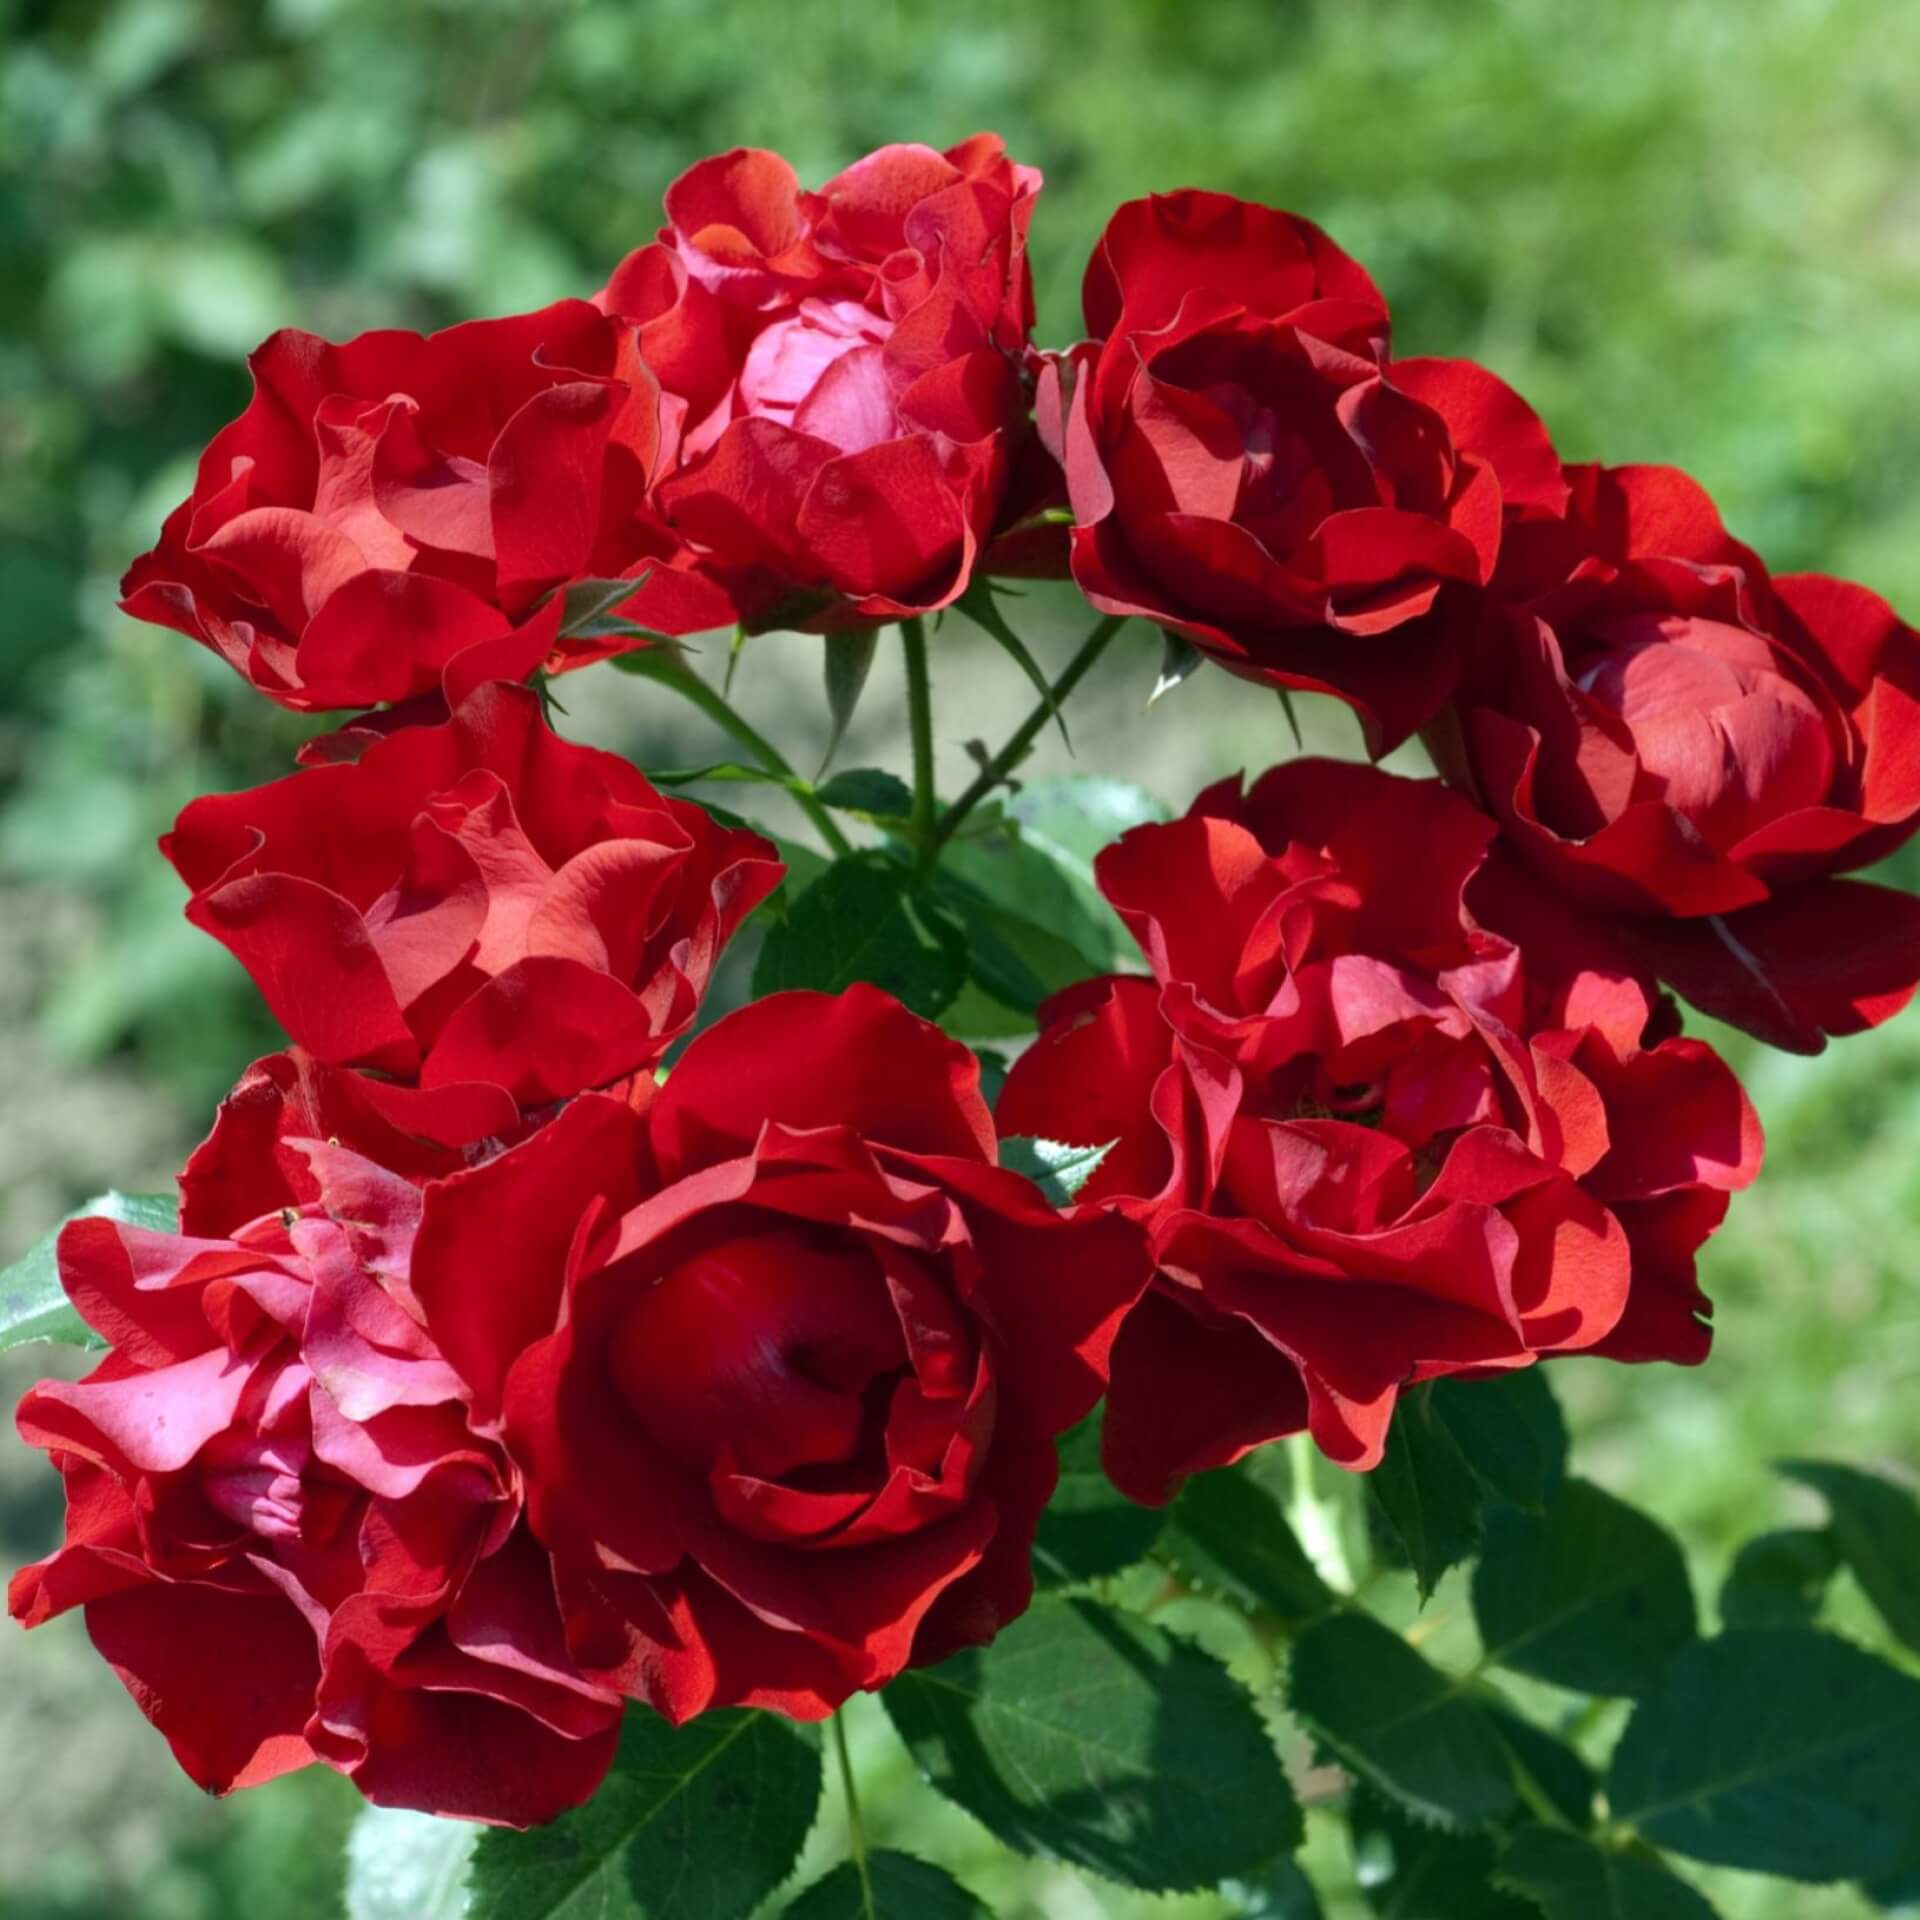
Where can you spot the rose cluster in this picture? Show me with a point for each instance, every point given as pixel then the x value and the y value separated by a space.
pixel 534 1342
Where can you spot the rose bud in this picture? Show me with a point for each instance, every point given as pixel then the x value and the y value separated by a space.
pixel 475 901
pixel 1689 753
pixel 289 1540
pixel 842 395
pixel 1248 467
pixel 1366 1153
pixel 782 1357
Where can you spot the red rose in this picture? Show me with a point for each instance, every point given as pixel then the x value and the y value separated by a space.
pixel 290 1543
pixel 1366 1154
pixel 841 381
pixel 782 1357
pixel 383 505
pixel 1690 752
pixel 1248 467
pixel 474 901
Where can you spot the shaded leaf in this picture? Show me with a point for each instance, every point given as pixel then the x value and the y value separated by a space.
pixel 1511 1430
pixel 864 919
pixel 1083 1733
pixel 699 1822
pixel 1572 1879
pixel 1229 1537
pixel 1552 1767
pixel 588 610
pixel 1400 1724
pixel 1411 1872
pixel 1876 1527
pixel 1056 1168
pixel 848 661
pixel 1592 1594
pixel 1429 1495
pixel 1779 1749
pixel 895 1886
pixel 1090 1529
pixel 723 772
pixel 34 1305
pixel 1278 1892
pixel 1780 1579
pixel 1178 659
pixel 867 790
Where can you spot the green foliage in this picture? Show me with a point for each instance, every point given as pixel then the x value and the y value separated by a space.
pixel 1084 1733
pixel 1782 1750
pixel 865 919
pixel 1408 1871
pixel 1876 1531
pixel 33 1304
pixel 1400 1724
pixel 1780 1579
pixel 1572 1879
pixel 869 790
pixel 1057 1169
pixel 1427 1492
pixel 981 606
pixel 699 1822
pixel 848 659
pixel 1511 1430
pixel 1090 1529
pixel 1590 1594
pixel 891 1886
pixel 1228 1537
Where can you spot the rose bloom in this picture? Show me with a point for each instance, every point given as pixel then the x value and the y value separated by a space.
pixel 1370 1151
pixel 473 901
pixel 1249 468
pixel 842 393
pixel 385 504
pixel 289 1540
pixel 781 1353
pixel 1690 752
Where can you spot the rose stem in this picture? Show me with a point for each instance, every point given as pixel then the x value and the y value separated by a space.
pixel 913 639
pixel 856 1832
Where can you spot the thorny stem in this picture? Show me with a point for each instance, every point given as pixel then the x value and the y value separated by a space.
pixel 913 638
pixel 856 1831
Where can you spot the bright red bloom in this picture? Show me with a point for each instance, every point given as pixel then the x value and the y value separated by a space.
pixel 386 504
pixel 290 1541
pixel 841 381
pixel 474 901
pixel 1248 466
pixel 782 1357
pixel 1367 1151
pixel 1689 752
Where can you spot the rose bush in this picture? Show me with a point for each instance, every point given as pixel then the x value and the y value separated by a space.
pixel 1364 1158
pixel 1691 749
pixel 781 1353
pixel 475 901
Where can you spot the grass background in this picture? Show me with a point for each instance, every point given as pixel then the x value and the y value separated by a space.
pixel 1688 229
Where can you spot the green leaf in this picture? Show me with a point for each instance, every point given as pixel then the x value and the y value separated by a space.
pixel 864 919
pixel 868 790
pixel 1090 1529
pixel 1095 1737
pixel 1057 1169
pixel 407 1866
pixel 1178 660
pixel 1278 1892
pixel 1876 1526
pixel 1549 1765
pixel 1779 1749
pixel 33 1304
pixel 1071 818
pixel 1228 1537
pixel 1411 1872
pixel 1511 1430
pixel 699 1822
pixel 1572 1879
pixel 848 661
pixel 1015 960
pixel 1592 1594
pixel 1027 881
pixel 1780 1579
pixel 896 1886
pixel 1399 1723
pixel 1427 1492
pixel 725 772
pixel 588 606
pixel 979 605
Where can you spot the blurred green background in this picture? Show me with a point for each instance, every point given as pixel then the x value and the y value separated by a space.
pixel 1688 229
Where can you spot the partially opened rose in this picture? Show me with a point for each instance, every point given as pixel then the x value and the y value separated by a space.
pixel 1367 1152
pixel 1248 466
pixel 1691 752
pixel 782 1357
pixel 289 1540
pixel 474 901
pixel 841 379
pixel 386 503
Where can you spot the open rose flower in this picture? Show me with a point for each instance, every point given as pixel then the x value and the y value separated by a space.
pixel 385 504
pixel 1368 1151
pixel 841 381
pixel 1691 752
pixel 1249 468
pixel 289 1541
pixel 782 1357
pixel 477 901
